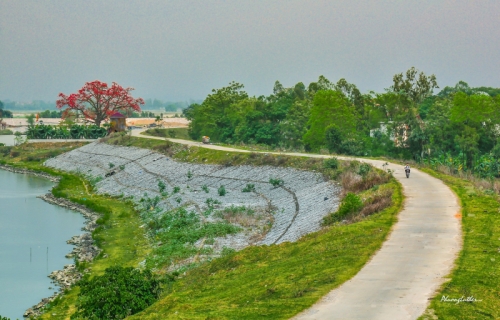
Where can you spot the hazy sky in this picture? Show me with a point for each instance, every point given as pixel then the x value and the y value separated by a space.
pixel 180 50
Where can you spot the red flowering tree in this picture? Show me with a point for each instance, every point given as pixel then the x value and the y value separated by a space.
pixel 96 101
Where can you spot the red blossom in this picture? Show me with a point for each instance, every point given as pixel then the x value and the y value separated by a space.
pixel 96 101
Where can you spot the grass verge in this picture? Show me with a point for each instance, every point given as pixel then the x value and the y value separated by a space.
pixel 477 268
pixel 6 132
pixel 175 133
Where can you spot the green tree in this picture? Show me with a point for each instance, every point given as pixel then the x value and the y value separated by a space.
pixel 411 90
pixel 475 108
pixel 211 117
pixel 294 126
pixel 30 119
pixel 468 142
pixel 330 108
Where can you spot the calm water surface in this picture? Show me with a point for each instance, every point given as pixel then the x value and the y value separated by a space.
pixel 28 223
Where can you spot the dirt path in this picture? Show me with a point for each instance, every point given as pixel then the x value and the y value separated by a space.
pixel 404 274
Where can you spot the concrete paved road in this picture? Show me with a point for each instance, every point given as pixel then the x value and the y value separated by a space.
pixel 404 274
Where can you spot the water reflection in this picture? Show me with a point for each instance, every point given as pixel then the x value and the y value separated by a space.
pixel 33 238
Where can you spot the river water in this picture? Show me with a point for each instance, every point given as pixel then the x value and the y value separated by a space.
pixel 33 238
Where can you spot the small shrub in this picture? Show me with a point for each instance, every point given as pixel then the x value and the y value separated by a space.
pixel 178 199
pixel 149 203
pixel 205 188
pixel 118 293
pixel 189 174
pixel 363 170
pixel 162 186
pixel 249 188
pixel 212 202
pixel 122 167
pixel 276 182
pixel 332 163
pixel 350 205
pixel 177 189
pixel 111 165
pixel 222 191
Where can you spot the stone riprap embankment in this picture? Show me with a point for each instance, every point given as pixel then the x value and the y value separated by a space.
pixel 298 205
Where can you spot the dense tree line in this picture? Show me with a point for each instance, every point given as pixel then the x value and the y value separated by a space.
pixel 34 105
pixel 168 106
pixel 55 114
pixel 416 123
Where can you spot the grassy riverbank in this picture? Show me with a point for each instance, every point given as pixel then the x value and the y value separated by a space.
pixel 118 234
pixel 477 268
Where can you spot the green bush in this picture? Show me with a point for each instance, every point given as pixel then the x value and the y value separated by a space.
pixel 177 189
pixel 276 182
pixel 363 170
pixel 6 132
pixel 211 203
pixel 162 186
pixel 118 293
pixel 332 163
pixel 350 205
pixel 222 191
pixel 205 188
pixel 249 188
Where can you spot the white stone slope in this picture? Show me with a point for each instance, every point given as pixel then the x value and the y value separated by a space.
pixel 299 205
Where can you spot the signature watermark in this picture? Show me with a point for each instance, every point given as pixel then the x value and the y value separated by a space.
pixel 458 300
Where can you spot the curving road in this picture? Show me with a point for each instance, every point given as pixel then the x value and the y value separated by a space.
pixel 401 278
